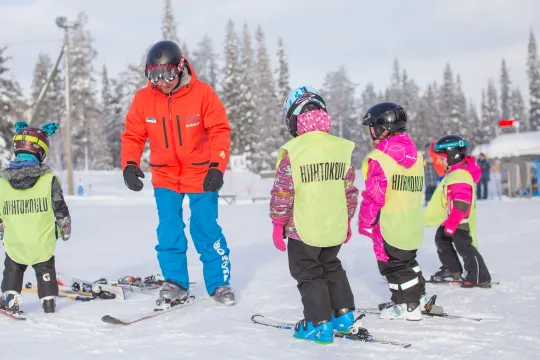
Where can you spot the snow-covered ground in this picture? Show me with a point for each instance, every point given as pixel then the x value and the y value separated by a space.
pixel 114 236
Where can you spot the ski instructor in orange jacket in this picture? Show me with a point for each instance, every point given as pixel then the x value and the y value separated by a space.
pixel 189 135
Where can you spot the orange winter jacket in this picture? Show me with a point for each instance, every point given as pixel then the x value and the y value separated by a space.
pixel 188 132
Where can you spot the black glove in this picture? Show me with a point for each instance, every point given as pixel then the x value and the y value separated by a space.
pixel 213 180
pixel 132 173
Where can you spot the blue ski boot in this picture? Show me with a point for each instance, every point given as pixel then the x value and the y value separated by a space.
pixel 321 333
pixel 342 320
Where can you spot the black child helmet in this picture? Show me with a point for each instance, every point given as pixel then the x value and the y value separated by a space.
pixel 452 147
pixel 385 117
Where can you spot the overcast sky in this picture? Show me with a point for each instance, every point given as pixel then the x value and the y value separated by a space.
pixel 320 35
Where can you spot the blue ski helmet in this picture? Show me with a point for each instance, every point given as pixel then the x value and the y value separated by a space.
pixel 295 102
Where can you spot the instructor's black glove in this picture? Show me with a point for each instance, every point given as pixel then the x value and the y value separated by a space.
pixel 213 180
pixel 132 173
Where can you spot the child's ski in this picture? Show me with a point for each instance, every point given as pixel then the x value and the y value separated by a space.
pixel 113 320
pixel 377 311
pixel 364 337
pixel 14 315
pixel 454 282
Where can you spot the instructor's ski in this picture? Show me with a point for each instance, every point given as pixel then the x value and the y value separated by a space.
pixel 365 337
pixel 113 320
pixel 457 283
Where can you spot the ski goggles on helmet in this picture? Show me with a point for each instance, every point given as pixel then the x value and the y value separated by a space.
pixel 450 145
pixel 298 104
pixel 166 72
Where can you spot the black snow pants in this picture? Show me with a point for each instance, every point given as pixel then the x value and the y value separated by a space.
pixel 403 274
pixel 322 281
pixel 45 276
pixel 477 271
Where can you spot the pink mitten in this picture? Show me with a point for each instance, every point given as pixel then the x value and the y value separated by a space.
pixel 451 224
pixel 278 234
pixel 349 232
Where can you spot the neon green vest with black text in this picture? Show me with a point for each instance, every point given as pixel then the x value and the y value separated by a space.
pixel 319 164
pixel 401 219
pixel 29 222
pixel 438 209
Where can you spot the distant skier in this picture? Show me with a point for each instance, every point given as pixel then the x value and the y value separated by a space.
pixel 189 134
pixel 313 202
pixel 32 213
pixel 391 209
pixel 453 209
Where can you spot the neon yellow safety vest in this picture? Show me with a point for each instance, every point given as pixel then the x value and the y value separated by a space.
pixel 438 209
pixel 319 164
pixel 29 222
pixel 400 218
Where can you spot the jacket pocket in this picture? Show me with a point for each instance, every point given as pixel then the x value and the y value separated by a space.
pixel 201 163
pixel 157 165
pixel 165 133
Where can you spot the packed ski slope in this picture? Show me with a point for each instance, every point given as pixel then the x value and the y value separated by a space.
pixel 114 236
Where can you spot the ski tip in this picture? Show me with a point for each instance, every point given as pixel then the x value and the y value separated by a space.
pixel 255 316
pixel 112 320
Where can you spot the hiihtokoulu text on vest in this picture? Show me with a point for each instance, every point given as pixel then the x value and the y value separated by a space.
pixel 319 164
pixel 29 222
pixel 401 219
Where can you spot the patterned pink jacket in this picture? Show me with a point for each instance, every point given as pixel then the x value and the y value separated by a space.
pixel 282 200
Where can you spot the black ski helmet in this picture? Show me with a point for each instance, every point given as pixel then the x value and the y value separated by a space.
pixel 385 117
pixel 164 60
pixel 452 147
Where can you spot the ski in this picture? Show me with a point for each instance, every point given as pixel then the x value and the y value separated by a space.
pixel 454 282
pixel 66 294
pixel 97 288
pixel 156 312
pixel 16 316
pixel 266 321
pixel 377 311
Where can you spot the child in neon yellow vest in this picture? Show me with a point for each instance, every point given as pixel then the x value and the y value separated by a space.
pixel 32 214
pixel 391 209
pixel 453 209
pixel 313 201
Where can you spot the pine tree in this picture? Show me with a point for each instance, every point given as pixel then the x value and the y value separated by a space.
pixel 533 71
pixel 505 91
pixel 518 110
pixel 474 120
pixel 85 115
pixel 395 91
pixel 249 135
pixel 204 61
pixel 446 101
pixel 492 109
pixel 52 107
pixel 429 117
pixel 410 100
pixel 230 93
pixel 283 87
pixel 484 130
pixel 338 94
pixel 269 124
pixel 460 124
pixel 168 24
pixel 368 98
pixel 12 108
pixel 169 30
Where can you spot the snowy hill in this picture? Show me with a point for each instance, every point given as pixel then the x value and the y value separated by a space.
pixel 114 235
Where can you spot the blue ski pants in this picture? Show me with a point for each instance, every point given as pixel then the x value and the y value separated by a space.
pixel 205 232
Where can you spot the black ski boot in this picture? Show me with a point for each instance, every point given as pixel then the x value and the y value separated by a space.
pixel 49 304
pixel 445 274
pixel 10 301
